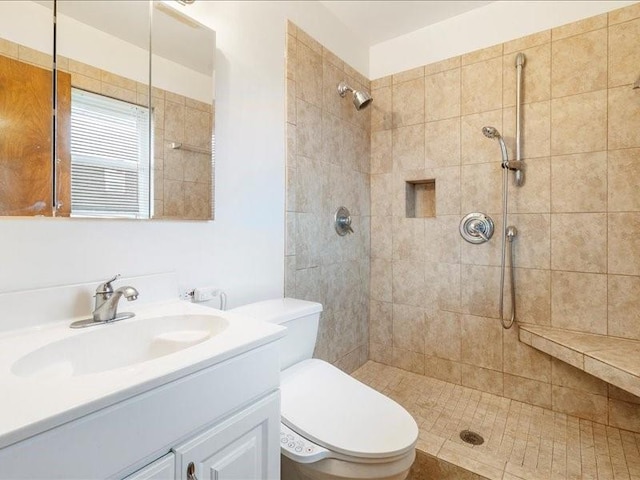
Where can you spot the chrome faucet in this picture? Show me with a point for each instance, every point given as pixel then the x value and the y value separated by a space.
pixel 106 304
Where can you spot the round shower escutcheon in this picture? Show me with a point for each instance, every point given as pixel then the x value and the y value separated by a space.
pixel 477 227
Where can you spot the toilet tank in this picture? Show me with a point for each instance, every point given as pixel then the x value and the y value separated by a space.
pixel 300 317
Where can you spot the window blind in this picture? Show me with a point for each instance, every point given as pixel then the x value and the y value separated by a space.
pixel 109 157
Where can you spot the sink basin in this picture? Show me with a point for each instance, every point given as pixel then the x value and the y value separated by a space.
pixel 118 345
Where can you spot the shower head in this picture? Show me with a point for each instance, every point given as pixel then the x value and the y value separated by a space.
pixel 361 99
pixel 491 132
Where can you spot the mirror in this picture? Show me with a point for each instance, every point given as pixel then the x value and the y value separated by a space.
pixel 124 148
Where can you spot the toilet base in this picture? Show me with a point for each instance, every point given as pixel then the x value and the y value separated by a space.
pixel 335 469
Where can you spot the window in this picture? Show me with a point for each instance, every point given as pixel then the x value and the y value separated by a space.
pixel 109 157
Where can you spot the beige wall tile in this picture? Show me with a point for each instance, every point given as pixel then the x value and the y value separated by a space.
pixel 522 360
pixel 443 369
pixel 442 95
pixel 575 245
pixel 409 283
pixel 580 404
pixel 565 375
pixel 408 148
pixel 381 152
pixel 441 66
pixel 381 82
pixel 624 306
pixel 408 328
pixel 291 56
pixel 624 243
pixel 527 390
pixel 442 143
pixel 408 75
pixel 442 335
pixel 623 180
pixel 623 56
pixel 408 360
pixel 624 415
pixel 381 323
pixel 624 14
pixel 529 41
pixel 332 58
pixel 578 123
pixel 624 118
pixel 533 296
pixel 482 54
pixel 535 133
pixel 86 83
pixel 475 147
pixel 619 394
pixel 306 39
pixel 536 75
pixel 8 49
pixel 442 239
pixel 579 182
pixel 308 131
pixel 447 190
pixel 481 86
pixel 443 281
pixel 381 353
pixel 35 57
pixel 408 238
pixel 118 81
pixel 481 342
pixel 119 93
pixel 291 102
pixel 579 301
pixel 579 64
pixel 535 195
pixel 408 103
pixel 197 128
pixel 331 101
pixel 582 26
pixel 480 290
pixel 482 187
pixel 381 275
pixel 382 110
pixel 381 237
pixel 482 379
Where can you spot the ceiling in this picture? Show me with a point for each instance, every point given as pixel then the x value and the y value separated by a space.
pixel 380 20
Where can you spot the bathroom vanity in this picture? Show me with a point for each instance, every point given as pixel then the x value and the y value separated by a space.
pixel 178 391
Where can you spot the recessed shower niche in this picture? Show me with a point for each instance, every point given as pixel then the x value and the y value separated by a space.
pixel 421 198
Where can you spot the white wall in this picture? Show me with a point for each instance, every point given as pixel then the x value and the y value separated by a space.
pixel 242 251
pixel 489 25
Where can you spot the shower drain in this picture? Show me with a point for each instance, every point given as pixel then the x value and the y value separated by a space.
pixel 473 438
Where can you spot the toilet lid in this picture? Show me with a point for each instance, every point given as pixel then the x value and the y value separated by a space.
pixel 338 412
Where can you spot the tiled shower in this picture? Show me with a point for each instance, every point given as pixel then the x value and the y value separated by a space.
pixel 405 290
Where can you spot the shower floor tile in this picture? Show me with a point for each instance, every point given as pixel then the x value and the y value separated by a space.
pixel 521 441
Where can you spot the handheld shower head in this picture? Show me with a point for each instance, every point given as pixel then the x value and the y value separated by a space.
pixel 361 99
pixel 491 132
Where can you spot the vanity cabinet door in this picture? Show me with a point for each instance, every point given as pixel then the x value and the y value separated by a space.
pixel 162 469
pixel 245 446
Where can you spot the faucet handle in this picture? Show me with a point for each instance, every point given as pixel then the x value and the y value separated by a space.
pixel 106 288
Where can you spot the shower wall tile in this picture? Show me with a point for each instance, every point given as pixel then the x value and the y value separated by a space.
pixel 381 322
pixel 582 26
pixel 581 148
pixel 381 82
pixel 624 243
pixel 328 165
pixel 579 301
pixel 576 245
pixel 442 95
pixel 408 328
pixel 408 147
pixel 408 102
pixel 623 180
pixel 442 143
pixel 623 56
pixel 579 182
pixel 624 306
pixel 579 123
pixel 579 64
pixel 481 86
pixel 624 118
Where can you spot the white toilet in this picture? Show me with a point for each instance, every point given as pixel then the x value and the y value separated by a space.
pixel 333 426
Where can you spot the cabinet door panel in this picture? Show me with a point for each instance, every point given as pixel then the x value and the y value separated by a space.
pixel 245 446
pixel 162 469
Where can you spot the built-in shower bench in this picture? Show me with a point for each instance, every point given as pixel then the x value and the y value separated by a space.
pixel 612 359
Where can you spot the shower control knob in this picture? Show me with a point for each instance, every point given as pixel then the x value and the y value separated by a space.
pixel 476 227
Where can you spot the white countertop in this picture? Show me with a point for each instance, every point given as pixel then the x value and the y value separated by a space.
pixel 32 405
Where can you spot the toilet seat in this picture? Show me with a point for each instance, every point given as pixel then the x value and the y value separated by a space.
pixel 335 411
